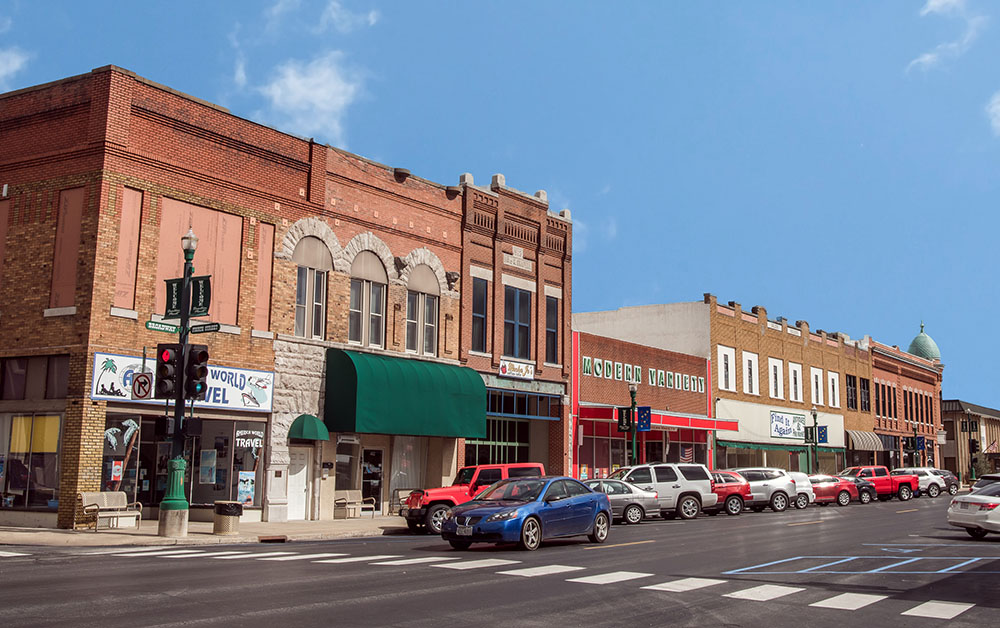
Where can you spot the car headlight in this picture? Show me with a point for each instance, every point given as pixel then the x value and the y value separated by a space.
pixel 448 513
pixel 503 515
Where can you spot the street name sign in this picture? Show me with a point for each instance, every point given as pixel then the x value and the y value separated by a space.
pixel 164 327
pixel 201 329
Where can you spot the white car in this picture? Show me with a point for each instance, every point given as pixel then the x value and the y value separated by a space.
pixel 978 513
pixel 803 489
pixel 929 483
pixel 683 489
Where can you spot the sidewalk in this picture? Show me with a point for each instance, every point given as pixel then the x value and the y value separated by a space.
pixel 200 533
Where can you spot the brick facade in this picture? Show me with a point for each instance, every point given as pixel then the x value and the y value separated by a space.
pixel 904 375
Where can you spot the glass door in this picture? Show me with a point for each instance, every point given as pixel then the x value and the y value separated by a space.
pixel 371 476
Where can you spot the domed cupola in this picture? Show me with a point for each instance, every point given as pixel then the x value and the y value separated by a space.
pixel 924 346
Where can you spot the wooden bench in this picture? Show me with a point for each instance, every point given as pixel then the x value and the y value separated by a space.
pixel 351 503
pixel 110 506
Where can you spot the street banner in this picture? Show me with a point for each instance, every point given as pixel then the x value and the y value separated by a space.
pixel 201 295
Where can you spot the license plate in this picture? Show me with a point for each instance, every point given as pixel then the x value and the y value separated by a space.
pixel 963 505
pixel 464 531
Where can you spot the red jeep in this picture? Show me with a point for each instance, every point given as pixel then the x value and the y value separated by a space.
pixel 733 491
pixel 886 486
pixel 424 509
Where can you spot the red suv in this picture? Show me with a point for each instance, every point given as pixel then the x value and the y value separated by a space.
pixel 424 510
pixel 733 491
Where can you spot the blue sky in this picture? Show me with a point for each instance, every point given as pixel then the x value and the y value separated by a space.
pixel 833 162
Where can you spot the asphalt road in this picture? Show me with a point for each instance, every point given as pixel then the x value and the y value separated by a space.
pixel 881 563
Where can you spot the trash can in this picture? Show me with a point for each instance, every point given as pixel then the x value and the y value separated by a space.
pixel 227 518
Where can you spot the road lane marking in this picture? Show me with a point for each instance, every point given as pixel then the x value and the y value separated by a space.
pixel 896 564
pixel 359 559
pixel 764 593
pixel 776 562
pixel 417 561
pixel 305 556
pixel 938 610
pixel 206 555
pixel 954 567
pixel 618 545
pixel 804 523
pixel 836 562
pixel 611 577
pixel 127 550
pixel 545 570
pixel 165 553
pixel 849 601
pixel 261 555
pixel 478 564
pixel 907 510
pixel 685 584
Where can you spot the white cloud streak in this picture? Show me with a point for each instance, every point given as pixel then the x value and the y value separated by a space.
pixel 12 61
pixel 993 112
pixel 312 98
pixel 343 20
pixel 974 25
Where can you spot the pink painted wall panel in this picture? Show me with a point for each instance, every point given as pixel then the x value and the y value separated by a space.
pixel 67 248
pixel 4 217
pixel 220 240
pixel 265 258
pixel 128 249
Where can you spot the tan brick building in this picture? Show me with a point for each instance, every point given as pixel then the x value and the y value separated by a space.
pixel 332 275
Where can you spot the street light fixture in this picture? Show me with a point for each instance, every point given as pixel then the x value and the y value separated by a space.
pixel 633 387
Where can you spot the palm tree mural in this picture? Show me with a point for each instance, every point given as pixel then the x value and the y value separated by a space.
pixel 108 366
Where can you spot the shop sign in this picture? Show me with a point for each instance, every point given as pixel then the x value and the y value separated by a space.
pixel 228 388
pixel 657 378
pixel 785 425
pixel 520 370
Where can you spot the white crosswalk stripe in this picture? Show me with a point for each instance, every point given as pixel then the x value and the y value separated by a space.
pixel 251 556
pixel 849 601
pixel 938 610
pixel 479 564
pixel 544 570
pixel 304 556
pixel 206 554
pixel 611 578
pixel 764 592
pixel 163 553
pixel 359 559
pixel 12 554
pixel 418 561
pixel 685 584
pixel 127 550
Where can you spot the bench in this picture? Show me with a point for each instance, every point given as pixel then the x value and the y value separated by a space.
pixel 399 497
pixel 351 503
pixel 110 506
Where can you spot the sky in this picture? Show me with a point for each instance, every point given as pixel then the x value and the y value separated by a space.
pixel 834 162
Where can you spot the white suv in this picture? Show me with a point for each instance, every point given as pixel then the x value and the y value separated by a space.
pixel 684 489
pixel 929 482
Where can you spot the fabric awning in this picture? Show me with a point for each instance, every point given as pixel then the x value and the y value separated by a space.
pixel 373 393
pixel 798 448
pixel 308 427
pixel 865 441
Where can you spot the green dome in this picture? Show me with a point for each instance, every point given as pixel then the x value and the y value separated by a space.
pixel 924 346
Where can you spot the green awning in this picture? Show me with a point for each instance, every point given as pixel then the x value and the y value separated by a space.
pixel 771 447
pixel 377 394
pixel 308 427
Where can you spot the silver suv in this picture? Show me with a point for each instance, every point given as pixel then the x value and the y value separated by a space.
pixel 929 483
pixel 769 487
pixel 684 489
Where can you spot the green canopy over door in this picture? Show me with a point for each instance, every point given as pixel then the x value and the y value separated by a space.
pixel 377 394
pixel 308 427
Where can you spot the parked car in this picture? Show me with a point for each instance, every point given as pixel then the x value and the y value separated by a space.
pixel 886 486
pixel 950 481
pixel 978 512
pixel 928 483
pixel 424 510
pixel 683 489
pixel 629 503
pixel 803 488
pixel 769 487
pixel 528 511
pixel 985 480
pixel 831 489
pixel 732 490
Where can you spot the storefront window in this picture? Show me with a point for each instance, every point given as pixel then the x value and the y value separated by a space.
pixel 29 461
pixel 248 463
pixel 120 470
pixel 348 450
pixel 506 441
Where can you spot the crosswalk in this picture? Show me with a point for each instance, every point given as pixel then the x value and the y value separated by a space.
pixel 732 589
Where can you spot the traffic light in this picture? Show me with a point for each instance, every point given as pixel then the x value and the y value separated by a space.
pixel 196 372
pixel 168 375
pixel 624 419
pixel 973 446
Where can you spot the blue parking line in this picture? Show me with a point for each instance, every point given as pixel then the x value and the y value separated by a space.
pixel 897 564
pixel 892 568
pixel 968 562
pixel 836 562
pixel 777 562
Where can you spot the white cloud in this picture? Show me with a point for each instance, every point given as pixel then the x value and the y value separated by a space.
pixel 240 72
pixel 993 111
pixel 611 228
pixel 12 61
pixel 343 20
pixel 278 9
pixel 580 236
pixel 312 98
pixel 974 25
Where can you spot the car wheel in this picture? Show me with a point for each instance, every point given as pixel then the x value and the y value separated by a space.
pixel 843 498
pixel 933 491
pixel 531 534
pixel 600 531
pixel 414 526
pixel 779 502
pixel 864 497
pixel 435 517
pixel 461 545
pixel 977 533
pixel 801 501
pixel 953 489
pixel 688 508
pixel 633 514
pixel 734 505
pixel 905 493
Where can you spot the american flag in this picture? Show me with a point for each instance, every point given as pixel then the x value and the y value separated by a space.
pixel 992 449
pixel 687 453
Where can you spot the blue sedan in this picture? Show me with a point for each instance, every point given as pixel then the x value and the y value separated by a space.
pixel 527 511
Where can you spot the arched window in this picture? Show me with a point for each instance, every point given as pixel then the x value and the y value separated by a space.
pixel 366 318
pixel 314 264
pixel 422 298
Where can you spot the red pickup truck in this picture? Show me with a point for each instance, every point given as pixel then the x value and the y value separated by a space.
pixel 886 486
pixel 424 509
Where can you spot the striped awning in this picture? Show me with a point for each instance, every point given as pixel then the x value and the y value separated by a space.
pixel 865 441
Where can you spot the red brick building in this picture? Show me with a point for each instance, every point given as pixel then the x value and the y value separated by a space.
pixel 329 273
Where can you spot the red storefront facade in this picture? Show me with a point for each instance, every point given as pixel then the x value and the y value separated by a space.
pixel 676 386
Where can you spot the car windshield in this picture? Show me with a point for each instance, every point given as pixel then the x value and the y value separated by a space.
pixel 620 473
pixel 520 490
pixel 465 475
pixel 991 490
pixel 851 472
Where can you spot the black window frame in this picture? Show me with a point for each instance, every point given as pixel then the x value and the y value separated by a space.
pixel 552 330
pixel 516 330
pixel 865 394
pixel 852 392
pixel 480 303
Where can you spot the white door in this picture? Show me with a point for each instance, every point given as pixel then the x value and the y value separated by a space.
pixel 299 465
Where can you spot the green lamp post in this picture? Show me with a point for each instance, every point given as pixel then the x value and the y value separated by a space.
pixel 632 388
